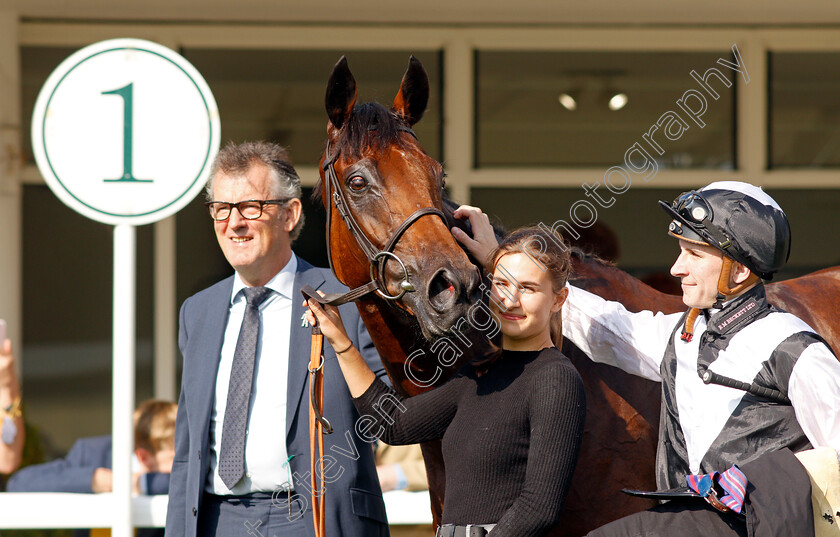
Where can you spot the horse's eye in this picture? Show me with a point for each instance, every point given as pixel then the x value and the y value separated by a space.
pixel 443 182
pixel 358 183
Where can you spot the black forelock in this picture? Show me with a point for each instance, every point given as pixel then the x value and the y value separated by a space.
pixel 370 126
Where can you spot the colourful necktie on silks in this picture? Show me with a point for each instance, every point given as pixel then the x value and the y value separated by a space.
pixel 733 482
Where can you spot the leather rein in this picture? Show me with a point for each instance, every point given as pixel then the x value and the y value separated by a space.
pixel 377 258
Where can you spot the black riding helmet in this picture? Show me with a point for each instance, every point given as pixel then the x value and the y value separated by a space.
pixel 737 218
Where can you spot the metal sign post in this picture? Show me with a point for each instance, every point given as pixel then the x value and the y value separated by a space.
pixel 124 132
pixel 122 430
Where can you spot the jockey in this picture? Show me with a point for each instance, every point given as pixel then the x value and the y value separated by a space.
pixel 743 382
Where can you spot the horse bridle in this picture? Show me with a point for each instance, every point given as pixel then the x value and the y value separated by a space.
pixel 377 258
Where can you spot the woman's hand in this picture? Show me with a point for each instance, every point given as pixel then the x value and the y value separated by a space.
pixel 483 241
pixel 357 373
pixel 329 321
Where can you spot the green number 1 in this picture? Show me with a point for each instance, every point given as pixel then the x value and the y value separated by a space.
pixel 128 176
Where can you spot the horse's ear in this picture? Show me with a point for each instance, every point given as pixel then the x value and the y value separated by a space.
pixel 413 96
pixel 341 93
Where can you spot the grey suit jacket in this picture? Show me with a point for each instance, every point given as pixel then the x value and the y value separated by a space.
pixel 354 505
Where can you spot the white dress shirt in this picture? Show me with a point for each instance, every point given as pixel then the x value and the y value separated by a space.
pixel 265 442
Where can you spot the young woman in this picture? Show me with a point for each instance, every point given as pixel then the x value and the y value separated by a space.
pixel 511 426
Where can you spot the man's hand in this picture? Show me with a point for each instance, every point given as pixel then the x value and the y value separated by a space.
pixel 483 241
pixel 135 482
pixel 102 481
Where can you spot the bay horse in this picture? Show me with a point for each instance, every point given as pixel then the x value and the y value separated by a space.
pixel 383 193
pixel 377 185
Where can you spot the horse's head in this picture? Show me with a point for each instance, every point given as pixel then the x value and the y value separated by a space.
pixel 391 192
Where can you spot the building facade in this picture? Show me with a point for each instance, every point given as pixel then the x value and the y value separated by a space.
pixel 525 113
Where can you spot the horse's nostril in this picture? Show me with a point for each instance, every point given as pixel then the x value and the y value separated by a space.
pixel 443 291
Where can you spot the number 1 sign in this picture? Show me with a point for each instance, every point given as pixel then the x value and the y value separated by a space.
pixel 124 131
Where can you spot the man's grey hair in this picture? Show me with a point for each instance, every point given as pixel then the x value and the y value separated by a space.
pixel 240 158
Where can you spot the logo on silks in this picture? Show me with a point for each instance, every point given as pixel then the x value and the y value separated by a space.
pixel 125 131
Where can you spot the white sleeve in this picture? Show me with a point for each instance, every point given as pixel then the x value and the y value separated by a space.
pixel 608 333
pixel 814 391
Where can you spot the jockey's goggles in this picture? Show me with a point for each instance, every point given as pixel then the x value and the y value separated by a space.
pixel 692 221
pixel 692 207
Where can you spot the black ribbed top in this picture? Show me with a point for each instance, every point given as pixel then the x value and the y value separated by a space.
pixel 510 438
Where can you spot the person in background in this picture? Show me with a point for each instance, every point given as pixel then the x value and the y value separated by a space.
pixel 12 435
pixel 400 467
pixel 87 466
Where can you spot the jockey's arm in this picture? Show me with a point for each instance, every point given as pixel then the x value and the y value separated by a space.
pixel 608 333
pixel 814 391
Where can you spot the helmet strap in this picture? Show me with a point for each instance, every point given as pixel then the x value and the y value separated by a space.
pixel 726 291
pixel 688 328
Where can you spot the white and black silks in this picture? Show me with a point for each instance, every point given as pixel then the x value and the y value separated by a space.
pixel 709 427
pixel 756 344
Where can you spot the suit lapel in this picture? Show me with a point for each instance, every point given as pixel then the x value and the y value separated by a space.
pixel 300 342
pixel 210 336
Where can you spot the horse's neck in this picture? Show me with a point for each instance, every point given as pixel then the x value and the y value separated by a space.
pixel 612 283
pixel 812 298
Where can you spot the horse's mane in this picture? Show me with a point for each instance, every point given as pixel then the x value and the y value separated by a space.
pixel 370 126
pixel 587 254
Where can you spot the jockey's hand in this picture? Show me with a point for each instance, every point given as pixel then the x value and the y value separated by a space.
pixel 329 320
pixel 483 241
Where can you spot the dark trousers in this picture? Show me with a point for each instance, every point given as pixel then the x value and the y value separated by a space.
pixel 691 517
pixel 778 505
pixel 250 516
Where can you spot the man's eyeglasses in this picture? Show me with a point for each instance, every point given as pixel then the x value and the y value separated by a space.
pixel 249 209
pixel 692 207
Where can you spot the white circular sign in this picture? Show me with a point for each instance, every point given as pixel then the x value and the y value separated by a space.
pixel 125 131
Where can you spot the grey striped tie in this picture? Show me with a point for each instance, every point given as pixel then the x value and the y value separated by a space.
pixel 232 452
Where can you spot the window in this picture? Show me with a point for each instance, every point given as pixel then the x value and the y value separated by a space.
pixel 542 109
pixel 804 109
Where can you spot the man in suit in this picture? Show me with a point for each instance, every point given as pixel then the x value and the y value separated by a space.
pixel 242 435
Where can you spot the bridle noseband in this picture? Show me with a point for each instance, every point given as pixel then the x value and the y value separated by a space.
pixel 376 257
